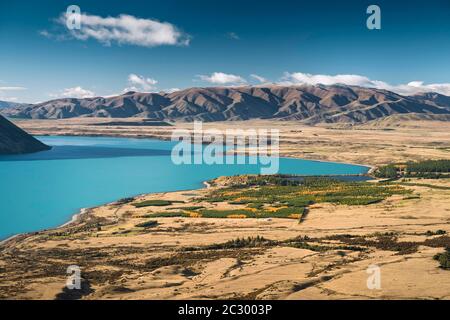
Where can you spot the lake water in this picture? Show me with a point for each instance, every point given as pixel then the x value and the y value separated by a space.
pixel 43 190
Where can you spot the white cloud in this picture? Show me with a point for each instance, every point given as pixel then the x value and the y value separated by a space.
pixel 222 78
pixel 140 83
pixel 415 87
pixel 75 92
pixel 233 36
pixel 8 99
pixel 12 88
pixel 54 36
pixel 126 29
pixel 306 78
pixel 259 78
pixel 410 88
pixel 4 93
pixel 45 33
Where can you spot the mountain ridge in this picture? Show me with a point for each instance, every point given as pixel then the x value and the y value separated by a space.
pixel 306 103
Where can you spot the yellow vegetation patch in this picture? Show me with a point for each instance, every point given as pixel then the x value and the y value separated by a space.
pixel 194 214
pixel 237 216
pixel 294 216
pixel 274 209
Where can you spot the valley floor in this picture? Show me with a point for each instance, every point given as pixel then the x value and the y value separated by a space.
pixel 188 257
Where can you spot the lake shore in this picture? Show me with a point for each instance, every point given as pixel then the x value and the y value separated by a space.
pixel 118 195
pixel 110 230
pixel 124 262
pixel 373 144
pixel 78 216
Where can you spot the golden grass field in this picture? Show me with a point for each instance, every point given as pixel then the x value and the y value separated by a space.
pixel 120 261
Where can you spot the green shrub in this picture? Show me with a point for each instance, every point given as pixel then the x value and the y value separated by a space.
pixel 239 202
pixel 255 205
pixel 286 212
pixel 249 242
pixel 193 208
pixel 147 224
pixel 155 203
pixel 226 213
pixel 389 171
pixel 444 259
pixel 435 233
pixel 175 214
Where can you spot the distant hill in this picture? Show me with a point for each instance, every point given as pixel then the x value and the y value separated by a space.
pixel 305 103
pixel 14 140
pixel 7 104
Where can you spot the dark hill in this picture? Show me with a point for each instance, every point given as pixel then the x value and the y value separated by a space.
pixel 14 140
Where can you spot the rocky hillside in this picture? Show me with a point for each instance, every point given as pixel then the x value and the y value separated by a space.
pixel 14 140
pixel 306 103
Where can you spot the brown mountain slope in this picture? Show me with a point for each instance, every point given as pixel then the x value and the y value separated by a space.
pixel 306 103
pixel 14 140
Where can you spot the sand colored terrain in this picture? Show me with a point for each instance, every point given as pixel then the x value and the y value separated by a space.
pixel 374 143
pixel 174 259
pixel 121 261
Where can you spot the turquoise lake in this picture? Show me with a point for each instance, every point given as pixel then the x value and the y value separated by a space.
pixel 43 190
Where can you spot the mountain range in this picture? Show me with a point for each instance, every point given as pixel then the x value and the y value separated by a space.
pixel 14 140
pixel 8 104
pixel 306 103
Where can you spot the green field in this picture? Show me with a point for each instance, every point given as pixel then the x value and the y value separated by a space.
pixel 280 197
pixel 155 203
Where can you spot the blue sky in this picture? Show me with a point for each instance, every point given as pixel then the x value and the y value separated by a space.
pixel 221 42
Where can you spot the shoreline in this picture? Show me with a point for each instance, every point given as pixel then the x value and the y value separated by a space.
pixel 2 242
pixel 243 272
pixel 73 219
pixel 163 139
pixel 107 253
pixel 76 218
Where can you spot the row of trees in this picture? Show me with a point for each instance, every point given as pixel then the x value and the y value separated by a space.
pixel 425 169
pixel 437 166
pixel 389 172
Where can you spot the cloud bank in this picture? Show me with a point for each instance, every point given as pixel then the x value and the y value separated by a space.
pixel 124 29
pixel 223 78
pixel 140 83
pixel 75 92
pixel 12 88
pixel 6 90
pixel 410 88
pixel 259 78
pixel 297 78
